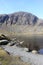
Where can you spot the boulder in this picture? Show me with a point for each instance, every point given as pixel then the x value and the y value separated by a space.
pixel 26 49
pixel 12 43
pixel 34 51
pixel 4 37
pixel 21 42
pixel 4 42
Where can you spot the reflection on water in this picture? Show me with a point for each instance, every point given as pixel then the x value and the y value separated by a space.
pixel 32 40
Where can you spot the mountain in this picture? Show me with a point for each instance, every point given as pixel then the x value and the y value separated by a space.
pixel 21 18
pixel 21 22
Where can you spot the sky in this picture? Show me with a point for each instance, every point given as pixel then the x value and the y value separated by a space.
pixel 32 6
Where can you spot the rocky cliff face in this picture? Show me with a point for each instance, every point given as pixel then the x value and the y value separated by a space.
pixel 20 22
pixel 21 18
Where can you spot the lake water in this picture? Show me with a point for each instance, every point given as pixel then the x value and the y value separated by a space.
pixel 33 40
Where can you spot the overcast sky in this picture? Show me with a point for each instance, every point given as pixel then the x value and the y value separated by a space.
pixel 32 6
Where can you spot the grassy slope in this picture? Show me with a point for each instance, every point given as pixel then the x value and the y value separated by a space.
pixel 21 30
pixel 4 57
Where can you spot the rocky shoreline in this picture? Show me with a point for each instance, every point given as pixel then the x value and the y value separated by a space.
pixel 33 59
pixel 14 47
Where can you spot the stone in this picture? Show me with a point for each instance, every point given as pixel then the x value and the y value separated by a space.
pixel 34 51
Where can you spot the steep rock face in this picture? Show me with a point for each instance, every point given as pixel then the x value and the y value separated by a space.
pixel 21 18
pixel 3 18
pixel 21 23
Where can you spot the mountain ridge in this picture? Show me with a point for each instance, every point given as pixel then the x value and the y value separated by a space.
pixel 21 23
pixel 19 18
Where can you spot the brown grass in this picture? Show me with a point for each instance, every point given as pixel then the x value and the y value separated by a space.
pixel 17 61
pixel 4 57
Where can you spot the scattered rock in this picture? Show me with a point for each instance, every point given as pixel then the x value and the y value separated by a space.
pixel 12 43
pixel 5 37
pixel 34 51
pixel 21 42
pixel 26 49
pixel 4 42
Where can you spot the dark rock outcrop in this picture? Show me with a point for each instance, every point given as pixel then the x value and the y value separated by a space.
pixel 21 18
pixel 4 40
